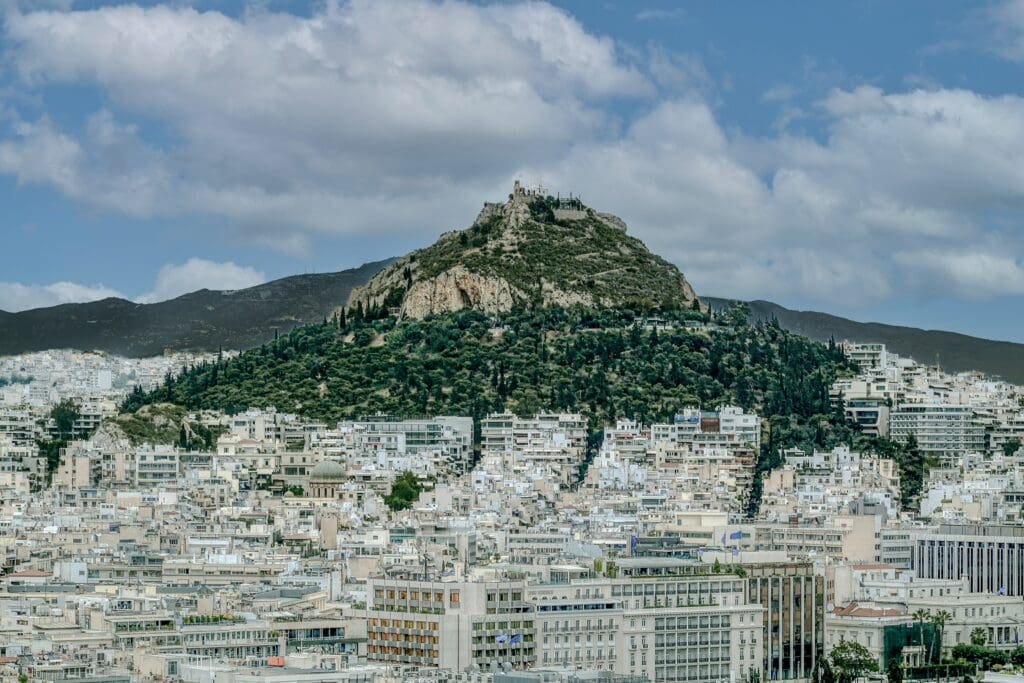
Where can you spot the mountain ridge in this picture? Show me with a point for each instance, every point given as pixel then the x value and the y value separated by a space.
pixel 203 320
pixel 956 352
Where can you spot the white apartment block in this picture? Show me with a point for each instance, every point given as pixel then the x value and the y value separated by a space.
pixel 941 430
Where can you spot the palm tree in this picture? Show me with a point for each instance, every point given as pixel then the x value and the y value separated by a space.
pixel 939 621
pixel 920 616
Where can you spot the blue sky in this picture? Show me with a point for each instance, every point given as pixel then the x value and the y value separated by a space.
pixel 861 158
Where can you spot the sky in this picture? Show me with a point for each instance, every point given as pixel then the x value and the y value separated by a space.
pixel 861 158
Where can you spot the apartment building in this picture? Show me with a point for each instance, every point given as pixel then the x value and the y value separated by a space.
pixel 447 439
pixel 941 430
pixel 727 426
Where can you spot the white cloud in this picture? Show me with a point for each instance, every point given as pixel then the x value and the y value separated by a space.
pixel 196 273
pixel 792 217
pixel 1005 29
pixel 972 274
pixel 284 123
pixel 15 296
pixel 379 119
pixel 171 281
pixel 661 14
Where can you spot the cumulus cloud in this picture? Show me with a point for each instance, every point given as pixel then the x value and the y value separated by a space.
pixel 377 119
pixel 819 219
pixel 15 296
pixel 196 273
pixel 310 124
pixel 172 281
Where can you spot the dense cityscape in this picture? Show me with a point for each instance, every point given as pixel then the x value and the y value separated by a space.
pixel 511 341
pixel 433 548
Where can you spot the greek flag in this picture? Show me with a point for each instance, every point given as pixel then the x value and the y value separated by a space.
pixel 517 638
pixel 736 535
pixel 501 638
pixel 1002 590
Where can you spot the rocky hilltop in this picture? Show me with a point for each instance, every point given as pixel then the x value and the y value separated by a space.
pixel 533 250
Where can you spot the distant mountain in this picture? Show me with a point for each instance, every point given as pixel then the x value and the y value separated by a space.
pixel 200 321
pixel 954 352
pixel 532 251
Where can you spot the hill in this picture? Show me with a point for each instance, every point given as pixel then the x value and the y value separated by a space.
pixel 533 250
pixel 955 352
pixel 204 320
pixel 604 363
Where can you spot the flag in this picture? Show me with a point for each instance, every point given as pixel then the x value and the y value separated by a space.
pixel 735 552
pixel 1002 590
pixel 723 538
pixel 736 535
pixel 516 638
pixel 501 638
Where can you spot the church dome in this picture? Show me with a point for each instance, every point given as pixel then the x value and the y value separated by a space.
pixel 327 470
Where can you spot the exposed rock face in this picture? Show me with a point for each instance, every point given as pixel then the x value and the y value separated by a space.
pixel 456 289
pixel 530 250
pixel 552 295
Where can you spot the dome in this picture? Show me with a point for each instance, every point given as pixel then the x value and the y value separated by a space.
pixel 327 470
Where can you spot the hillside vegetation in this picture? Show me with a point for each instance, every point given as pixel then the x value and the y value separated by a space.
pixel 954 352
pixel 600 363
pixel 604 364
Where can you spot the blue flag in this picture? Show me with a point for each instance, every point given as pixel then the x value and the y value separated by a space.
pixel 516 638
pixel 501 638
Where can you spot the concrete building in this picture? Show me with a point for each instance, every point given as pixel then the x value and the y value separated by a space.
pixel 941 430
pixel 990 557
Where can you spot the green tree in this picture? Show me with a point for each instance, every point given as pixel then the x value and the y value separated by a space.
pixel 979 636
pixel 921 615
pixel 912 466
pixel 1011 446
pixel 825 672
pixel 851 661
pixel 894 672
pixel 939 621
pixel 405 491
pixel 64 416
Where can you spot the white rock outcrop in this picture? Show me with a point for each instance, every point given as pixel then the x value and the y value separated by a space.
pixel 458 288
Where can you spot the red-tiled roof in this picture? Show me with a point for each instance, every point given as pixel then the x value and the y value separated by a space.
pixel 871 565
pixel 855 610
